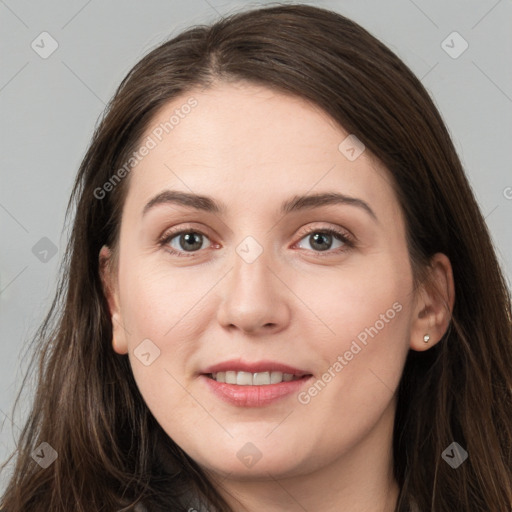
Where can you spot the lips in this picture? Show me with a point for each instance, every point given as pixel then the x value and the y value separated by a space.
pixel 238 365
pixel 261 394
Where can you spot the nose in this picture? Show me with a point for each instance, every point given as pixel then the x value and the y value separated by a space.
pixel 254 298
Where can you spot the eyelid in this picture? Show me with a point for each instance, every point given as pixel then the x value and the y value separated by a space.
pixel 338 230
pixel 177 230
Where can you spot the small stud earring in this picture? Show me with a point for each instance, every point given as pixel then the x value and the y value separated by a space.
pixel 426 338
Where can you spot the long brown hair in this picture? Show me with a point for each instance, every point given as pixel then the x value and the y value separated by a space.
pixel 111 451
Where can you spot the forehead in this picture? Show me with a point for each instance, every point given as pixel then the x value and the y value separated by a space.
pixel 247 142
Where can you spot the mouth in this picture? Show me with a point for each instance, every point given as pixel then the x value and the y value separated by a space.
pixel 265 378
pixel 258 384
pixel 253 384
pixel 246 373
pixel 249 390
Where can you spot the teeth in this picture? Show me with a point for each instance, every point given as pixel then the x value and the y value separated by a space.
pixel 263 378
pixel 253 379
pixel 243 379
pixel 276 377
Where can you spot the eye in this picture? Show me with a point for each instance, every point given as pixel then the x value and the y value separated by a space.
pixel 187 240
pixel 320 238
pixel 180 242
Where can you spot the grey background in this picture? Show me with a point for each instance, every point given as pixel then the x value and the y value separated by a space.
pixel 49 107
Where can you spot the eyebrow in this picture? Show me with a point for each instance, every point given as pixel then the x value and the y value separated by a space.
pixel 294 204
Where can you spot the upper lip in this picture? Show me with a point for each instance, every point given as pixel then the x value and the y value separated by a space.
pixel 238 365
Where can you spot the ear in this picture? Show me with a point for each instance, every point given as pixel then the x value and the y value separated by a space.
pixel 110 285
pixel 434 305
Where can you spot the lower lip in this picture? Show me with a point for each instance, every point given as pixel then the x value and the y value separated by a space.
pixel 254 396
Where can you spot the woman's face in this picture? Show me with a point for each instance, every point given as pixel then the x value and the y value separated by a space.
pixel 259 282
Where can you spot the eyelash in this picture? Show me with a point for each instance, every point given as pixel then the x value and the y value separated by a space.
pixel 342 236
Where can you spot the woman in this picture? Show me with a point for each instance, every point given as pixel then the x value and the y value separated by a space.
pixel 207 351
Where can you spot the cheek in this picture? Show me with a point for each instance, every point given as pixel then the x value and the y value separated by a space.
pixel 167 308
pixel 163 328
pixel 365 319
pixel 155 299
pixel 362 352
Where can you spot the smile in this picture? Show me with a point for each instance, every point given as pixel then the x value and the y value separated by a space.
pixel 253 379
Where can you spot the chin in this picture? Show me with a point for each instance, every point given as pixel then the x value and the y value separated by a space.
pixel 244 466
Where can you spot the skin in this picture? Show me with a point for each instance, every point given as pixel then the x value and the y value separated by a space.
pixel 251 149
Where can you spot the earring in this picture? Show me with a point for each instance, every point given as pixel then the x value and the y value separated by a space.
pixel 426 338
